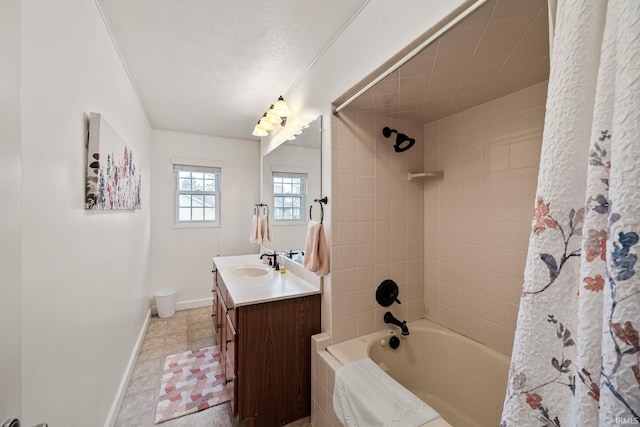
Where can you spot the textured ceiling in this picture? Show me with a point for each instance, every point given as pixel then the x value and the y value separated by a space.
pixel 500 48
pixel 214 67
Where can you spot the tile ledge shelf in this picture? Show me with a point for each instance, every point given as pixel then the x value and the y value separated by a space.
pixel 426 176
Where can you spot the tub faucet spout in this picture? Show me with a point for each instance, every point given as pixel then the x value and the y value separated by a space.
pixel 389 318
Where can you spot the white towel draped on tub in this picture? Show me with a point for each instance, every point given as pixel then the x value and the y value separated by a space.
pixel 365 396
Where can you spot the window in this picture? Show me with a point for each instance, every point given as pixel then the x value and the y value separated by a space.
pixel 197 194
pixel 289 196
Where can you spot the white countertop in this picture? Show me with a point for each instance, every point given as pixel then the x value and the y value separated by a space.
pixel 253 290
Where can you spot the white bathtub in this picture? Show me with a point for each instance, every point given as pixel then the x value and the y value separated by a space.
pixel 463 380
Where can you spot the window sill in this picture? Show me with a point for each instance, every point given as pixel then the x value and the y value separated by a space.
pixel 195 225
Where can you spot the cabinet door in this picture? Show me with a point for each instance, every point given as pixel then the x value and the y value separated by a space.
pixel 230 361
pixel 219 317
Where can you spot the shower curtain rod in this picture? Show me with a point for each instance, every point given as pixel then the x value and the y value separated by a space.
pixel 411 54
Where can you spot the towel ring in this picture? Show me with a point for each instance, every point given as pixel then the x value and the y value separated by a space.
pixel 322 202
pixel 261 205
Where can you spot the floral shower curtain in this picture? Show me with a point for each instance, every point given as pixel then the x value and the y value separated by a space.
pixel 576 354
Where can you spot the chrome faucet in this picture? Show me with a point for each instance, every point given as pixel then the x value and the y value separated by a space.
pixel 388 318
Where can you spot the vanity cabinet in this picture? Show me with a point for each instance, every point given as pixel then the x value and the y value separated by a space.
pixel 266 351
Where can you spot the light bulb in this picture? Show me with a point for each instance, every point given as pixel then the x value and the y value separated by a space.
pixel 273 117
pixel 259 131
pixel 281 107
pixel 265 123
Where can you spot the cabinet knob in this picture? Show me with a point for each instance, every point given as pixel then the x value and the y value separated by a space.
pixel 218 325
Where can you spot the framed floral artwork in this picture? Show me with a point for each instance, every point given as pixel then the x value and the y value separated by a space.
pixel 113 178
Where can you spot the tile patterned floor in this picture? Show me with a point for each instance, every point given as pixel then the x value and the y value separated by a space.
pixel 185 330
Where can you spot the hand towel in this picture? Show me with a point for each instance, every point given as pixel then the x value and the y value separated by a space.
pixel 316 253
pixel 265 229
pixel 365 396
pixel 323 253
pixel 256 234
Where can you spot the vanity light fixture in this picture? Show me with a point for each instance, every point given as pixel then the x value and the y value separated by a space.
pixel 277 113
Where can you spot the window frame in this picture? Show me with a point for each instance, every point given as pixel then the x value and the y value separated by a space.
pixel 183 167
pixel 302 195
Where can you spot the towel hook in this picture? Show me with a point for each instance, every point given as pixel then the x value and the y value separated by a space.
pixel 322 202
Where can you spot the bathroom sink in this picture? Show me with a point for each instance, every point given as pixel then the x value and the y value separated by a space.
pixel 249 270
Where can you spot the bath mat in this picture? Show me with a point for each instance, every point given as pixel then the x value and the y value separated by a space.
pixel 191 381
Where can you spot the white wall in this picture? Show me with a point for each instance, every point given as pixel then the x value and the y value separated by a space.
pixel 181 257
pixel 85 274
pixel 10 249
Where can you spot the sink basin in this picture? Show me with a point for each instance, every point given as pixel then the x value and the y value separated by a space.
pixel 249 270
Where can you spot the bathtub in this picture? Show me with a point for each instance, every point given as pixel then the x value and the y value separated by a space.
pixel 462 379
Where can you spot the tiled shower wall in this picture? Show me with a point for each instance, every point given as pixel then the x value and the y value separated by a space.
pixel 478 218
pixel 377 223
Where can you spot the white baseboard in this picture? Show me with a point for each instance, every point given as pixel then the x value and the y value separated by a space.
pixel 124 383
pixel 194 303
pixel 185 305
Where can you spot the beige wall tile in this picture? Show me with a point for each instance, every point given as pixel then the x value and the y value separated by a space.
pixel 345 233
pixel 449 125
pixel 465 270
pixel 450 296
pixel 366 278
pixel 496 109
pixel 529 98
pixel 344 328
pixel 347 162
pixel 495 133
pixel 366 322
pixel 366 186
pixel 478 219
pixel 525 154
pixel 450 274
pixel 366 255
pixel 345 281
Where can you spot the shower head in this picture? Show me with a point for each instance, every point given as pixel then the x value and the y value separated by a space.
pixel 401 139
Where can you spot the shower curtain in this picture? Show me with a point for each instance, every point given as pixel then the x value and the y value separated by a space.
pixel 576 353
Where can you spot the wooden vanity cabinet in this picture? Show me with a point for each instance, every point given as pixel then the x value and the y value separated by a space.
pixel 266 351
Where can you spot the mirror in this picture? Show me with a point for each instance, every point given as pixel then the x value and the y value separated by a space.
pixel 291 180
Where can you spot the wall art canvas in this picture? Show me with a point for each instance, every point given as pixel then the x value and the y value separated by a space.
pixel 113 178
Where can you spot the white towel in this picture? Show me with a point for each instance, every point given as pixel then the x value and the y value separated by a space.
pixel 365 396
pixel 316 252
pixel 256 233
